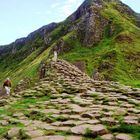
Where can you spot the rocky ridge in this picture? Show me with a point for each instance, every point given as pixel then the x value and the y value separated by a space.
pixel 68 105
pixel 21 42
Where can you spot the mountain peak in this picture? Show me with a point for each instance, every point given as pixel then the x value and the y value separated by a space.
pixel 86 5
pixel 99 5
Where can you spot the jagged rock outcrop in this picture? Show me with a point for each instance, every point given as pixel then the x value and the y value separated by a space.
pixel 91 28
pixel 42 31
pixel 92 24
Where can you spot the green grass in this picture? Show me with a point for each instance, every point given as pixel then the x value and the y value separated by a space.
pixel 22 105
pixel 29 67
pixel 99 55
pixel 134 103
pixel 95 95
pixel 134 130
pixel 4 129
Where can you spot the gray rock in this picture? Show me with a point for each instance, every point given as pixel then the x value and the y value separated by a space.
pixel 14 132
pixel 122 136
pixel 34 133
pixel 107 137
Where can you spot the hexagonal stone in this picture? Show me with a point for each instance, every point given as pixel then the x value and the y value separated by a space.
pixel 55 138
pixel 109 120
pixel 99 129
pixel 131 118
pixel 131 122
pixel 25 122
pixel 64 128
pixel 14 132
pixel 50 138
pixel 3 122
pixel 55 111
pixel 133 110
pixel 122 136
pixel 66 111
pixel 93 121
pixel 87 115
pixel 3 102
pixel 34 133
pixel 112 103
pixel 68 123
pixel 76 108
pixel 74 138
pixel 49 127
pixel 56 123
pixel 107 137
pixel 127 105
pixel 40 138
pixel 79 130
pixel 108 114
pixel 18 114
pixel 74 117
pixel 30 128
pixel 120 111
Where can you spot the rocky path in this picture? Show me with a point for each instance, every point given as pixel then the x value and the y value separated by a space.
pixel 68 105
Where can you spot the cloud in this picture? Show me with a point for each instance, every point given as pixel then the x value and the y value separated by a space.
pixel 69 6
pixel 58 11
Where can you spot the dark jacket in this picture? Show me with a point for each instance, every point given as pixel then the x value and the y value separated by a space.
pixel 7 83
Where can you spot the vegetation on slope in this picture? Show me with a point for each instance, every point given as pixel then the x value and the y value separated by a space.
pixel 117 56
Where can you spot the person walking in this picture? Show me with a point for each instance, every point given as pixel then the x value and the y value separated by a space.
pixel 55 56
pixel 7 86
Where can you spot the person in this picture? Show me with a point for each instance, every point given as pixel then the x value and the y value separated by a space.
pixel 55 56
pixel 7 85
pixel 42 71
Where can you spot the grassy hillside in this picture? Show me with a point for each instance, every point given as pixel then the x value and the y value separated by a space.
pixel 119 53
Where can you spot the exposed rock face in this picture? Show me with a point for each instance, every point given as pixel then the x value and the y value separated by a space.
pixel 82 10
pixel 123 8
pixel 138 19
pixel 91 28
pixel 42 31
pixel 91 25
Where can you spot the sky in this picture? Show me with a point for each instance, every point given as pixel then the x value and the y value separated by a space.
pixel 20 17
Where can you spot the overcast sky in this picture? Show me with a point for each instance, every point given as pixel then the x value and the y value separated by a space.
pixel 20 17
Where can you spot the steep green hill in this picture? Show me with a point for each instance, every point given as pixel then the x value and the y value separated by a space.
pixel 102 35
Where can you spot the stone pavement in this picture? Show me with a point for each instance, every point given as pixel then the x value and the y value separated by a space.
pixel 78 108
